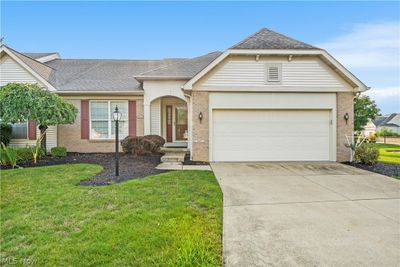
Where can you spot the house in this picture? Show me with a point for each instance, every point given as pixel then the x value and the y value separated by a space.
pixel 266 98
pixel 390 121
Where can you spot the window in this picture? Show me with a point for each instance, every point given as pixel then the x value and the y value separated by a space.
pixel 19 130
pixel 274 73
pixel 102 125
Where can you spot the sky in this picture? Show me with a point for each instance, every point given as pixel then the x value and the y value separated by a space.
pixel 363 36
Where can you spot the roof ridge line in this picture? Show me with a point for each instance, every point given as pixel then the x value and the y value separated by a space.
pixel 244 40
pixel 287 36
pixel 81 74
pixel 169 65
pixel 13 50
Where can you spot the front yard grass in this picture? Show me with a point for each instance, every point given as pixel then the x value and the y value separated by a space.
pixel 170 219
pixel 388 157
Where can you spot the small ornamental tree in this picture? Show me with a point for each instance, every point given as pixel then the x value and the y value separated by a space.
pixel 364 108
pixel 21 102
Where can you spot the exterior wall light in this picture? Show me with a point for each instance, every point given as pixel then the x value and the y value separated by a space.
pixel 201 116
pixel 346 117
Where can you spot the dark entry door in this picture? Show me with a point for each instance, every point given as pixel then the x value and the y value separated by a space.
pixel 169 123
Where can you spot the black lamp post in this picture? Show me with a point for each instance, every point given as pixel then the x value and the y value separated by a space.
pixel 116 117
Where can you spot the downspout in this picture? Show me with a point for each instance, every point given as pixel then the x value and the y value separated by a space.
pixel 190 139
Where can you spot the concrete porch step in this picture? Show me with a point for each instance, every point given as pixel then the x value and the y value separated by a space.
pixel 175 150
pixel 172 158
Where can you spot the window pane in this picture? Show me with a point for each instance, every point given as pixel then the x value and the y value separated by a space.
pixel 122 108
pixel 19 130
pixel 99 129
pixel 123 129
pixel 181 115
pixel 99 110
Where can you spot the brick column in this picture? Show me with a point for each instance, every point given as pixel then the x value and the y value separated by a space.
pixel 200 130
pixel 344 104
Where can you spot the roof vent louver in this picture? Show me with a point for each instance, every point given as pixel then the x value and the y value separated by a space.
pixel 273 73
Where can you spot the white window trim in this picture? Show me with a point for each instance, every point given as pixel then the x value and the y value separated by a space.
pixel 279 66
pixel 27 133
pixel 110 119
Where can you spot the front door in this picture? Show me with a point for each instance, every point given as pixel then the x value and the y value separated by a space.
pixel 181 125
pixel 169 123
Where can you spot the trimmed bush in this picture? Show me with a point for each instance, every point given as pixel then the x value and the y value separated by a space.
pixel 5 133
pixel 367 154
pixel 158 140
pixel 58 151
pixel 142 145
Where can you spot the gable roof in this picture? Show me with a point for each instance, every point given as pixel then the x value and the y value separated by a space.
pixel 267 42
pixel 385 120
pixel 184 69
pixel 45 73
pixel 268 39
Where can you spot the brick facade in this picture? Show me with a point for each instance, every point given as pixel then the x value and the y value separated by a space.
pixel 200 143
pixel 69 135
pixel 344 102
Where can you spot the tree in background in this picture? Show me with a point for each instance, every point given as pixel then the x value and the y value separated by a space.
pixel 21 102
pixel 364 108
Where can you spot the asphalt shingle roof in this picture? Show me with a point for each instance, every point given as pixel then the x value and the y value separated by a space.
pixel 267 39
pixel 102 75
pixel 125 75
pixel 44 71
pixel 38 55
pixel 183 69
pixel 385 120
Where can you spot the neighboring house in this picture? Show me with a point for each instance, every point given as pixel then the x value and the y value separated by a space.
pixel 391 122
pixel 267 98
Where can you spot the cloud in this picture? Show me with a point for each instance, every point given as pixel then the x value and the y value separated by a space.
pixel 391 92
pixel 368 45
pixel 387 98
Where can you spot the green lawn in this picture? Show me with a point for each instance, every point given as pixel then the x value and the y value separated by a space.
pixel 388 157
pixel 171 219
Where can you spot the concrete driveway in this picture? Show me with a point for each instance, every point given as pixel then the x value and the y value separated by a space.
pixel 308 214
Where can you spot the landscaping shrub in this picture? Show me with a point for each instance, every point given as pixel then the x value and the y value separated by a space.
pixel 58 151
pixel 158 140
pixel 25 153
pixel 5 133
pixel 386 132
pixel 142 145
pixel 8 155
pixel 367 154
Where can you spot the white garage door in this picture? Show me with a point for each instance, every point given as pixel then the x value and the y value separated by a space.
pixel 271 135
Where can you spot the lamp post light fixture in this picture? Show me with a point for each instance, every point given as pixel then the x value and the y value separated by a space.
pixel 116 117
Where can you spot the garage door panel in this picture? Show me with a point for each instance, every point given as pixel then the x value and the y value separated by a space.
pixel 264 135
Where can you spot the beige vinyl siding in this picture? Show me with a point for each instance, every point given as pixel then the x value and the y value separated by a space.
pixel 12 72
pixel 300 72
pixel 51 137
pixel 155 112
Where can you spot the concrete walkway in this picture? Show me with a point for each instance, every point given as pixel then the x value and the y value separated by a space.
pixel 308 214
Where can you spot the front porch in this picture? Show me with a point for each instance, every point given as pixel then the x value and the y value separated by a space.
pixel 169 119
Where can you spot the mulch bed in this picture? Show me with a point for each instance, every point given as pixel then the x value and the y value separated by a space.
pixel 130 167
pixel 381 168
